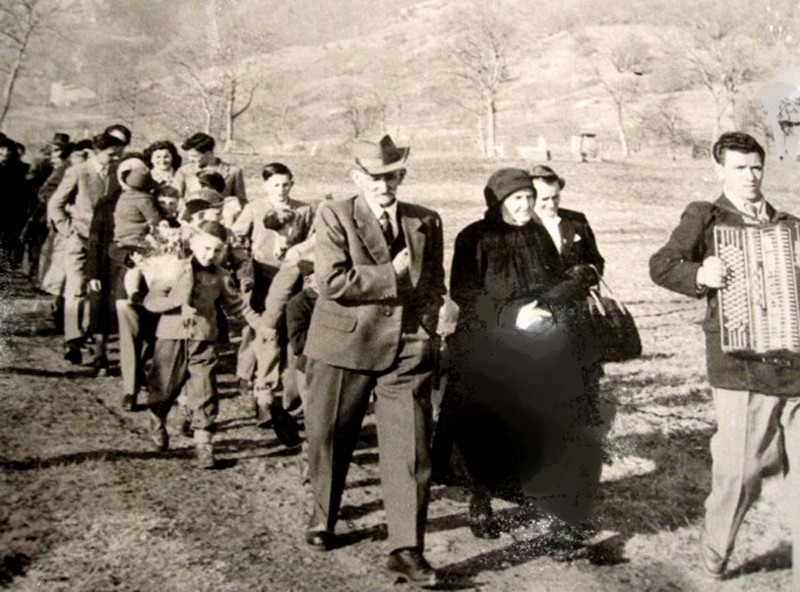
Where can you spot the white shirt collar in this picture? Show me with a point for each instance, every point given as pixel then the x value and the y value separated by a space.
pixel 378 211
pixel 743 206
pixel 551 226
pixel 554 221
pixel 98 166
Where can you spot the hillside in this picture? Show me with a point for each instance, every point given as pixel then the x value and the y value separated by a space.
pixel 391 68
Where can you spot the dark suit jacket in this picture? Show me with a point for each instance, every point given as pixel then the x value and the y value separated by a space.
pixel 362 311
pixel 578 245
pixel 675 266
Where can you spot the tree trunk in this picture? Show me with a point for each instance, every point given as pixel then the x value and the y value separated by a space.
pixel 399 115
pixel 207 123
pixel 731 98
pixel 230 116
pixel 11 80
pixel 719 112
pixel 491 127
pixel 481 124
pixel 623 139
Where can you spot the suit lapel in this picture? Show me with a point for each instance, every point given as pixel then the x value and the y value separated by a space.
pixel 415 240
pixel 567 231
pixel 369 231
pixel 98 187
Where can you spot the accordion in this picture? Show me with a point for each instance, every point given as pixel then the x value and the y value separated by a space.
pixel 759 307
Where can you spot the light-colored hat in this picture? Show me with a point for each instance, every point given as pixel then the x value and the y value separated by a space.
pixel 127 167
pixel 381 157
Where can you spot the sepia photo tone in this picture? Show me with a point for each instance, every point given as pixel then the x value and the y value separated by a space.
pixel 377 295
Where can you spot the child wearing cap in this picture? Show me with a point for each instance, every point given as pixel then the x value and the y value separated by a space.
pixel 199 210
pixel 185 349
pixel 230 206
pixel 271 225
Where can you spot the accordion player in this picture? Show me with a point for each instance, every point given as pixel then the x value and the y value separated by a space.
pixel 759 308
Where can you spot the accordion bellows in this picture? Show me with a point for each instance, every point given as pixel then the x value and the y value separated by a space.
pixel 759 307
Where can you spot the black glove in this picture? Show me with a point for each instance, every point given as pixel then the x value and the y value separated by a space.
pixel 585 274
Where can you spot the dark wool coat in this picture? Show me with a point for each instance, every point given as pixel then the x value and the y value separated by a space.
pixel 675 266
pixel 497 268
pixel 512 389
pixel 100 266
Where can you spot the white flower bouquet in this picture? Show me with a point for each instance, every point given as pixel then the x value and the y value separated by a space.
pixel 161 259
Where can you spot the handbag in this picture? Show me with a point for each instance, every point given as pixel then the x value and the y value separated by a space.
pixel 610 330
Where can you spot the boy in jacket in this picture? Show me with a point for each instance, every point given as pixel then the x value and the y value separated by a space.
pixel 186 335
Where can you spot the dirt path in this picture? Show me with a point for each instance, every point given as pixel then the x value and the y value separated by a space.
pixel 85 505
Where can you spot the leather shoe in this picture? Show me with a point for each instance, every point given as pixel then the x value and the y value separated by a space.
pixel 128 402
pixel 73 354
pixel 409 565
pixel 158 433
pixel 285 425
pixel 484 527
pixel 481 518
pixel 319 539
pixel 100 366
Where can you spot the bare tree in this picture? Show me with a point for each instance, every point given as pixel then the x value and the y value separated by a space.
pixel 617 69
pixel 220 71
pixel 362 112
pixel 205 87
pixel 21 22
pixel 664 123
pixel 478 63
pixel 239 82
pixel 721 49
pixel 752 117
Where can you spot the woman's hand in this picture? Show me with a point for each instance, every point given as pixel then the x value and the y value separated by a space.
pixel 534 319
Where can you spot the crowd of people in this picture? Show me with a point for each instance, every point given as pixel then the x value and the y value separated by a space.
pixel 336 305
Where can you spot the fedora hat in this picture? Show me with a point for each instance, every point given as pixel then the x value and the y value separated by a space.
pixel 60 139
pixel 541 171
pixel 378 158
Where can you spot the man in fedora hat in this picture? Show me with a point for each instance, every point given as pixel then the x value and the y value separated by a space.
pixel 380 275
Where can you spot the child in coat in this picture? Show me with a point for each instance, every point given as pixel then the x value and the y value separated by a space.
pixel 185 350
pixel 272 225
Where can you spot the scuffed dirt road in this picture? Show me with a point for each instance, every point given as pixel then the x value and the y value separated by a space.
pixel 85 505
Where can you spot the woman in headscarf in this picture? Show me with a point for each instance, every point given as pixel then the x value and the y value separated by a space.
pixel 517 376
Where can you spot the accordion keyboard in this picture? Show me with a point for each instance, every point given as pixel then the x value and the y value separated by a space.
pixel 760 307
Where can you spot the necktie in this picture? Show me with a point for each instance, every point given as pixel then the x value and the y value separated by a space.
pixel 386 227
pixel 754 211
